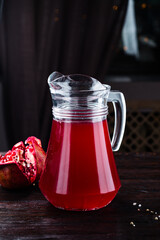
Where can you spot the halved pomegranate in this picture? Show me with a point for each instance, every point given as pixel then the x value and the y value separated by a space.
pixel 23 165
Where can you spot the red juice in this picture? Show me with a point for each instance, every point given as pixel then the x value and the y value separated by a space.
pixel 80 172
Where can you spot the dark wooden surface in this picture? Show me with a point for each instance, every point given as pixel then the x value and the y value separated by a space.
pixel 28 215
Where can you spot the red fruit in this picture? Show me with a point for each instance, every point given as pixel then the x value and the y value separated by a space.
pixel 23 165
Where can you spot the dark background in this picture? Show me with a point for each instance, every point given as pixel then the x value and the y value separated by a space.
pixel 39 37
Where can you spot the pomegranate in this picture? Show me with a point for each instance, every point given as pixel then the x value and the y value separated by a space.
pixel 23 165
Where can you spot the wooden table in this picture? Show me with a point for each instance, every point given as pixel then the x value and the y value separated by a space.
pixel 133 214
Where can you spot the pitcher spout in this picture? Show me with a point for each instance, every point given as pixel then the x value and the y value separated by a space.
pixel 55 75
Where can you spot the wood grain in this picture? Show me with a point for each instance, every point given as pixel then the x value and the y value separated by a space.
pixel 28 215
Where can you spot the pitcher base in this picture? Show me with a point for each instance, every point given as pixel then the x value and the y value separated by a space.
pixel 82 203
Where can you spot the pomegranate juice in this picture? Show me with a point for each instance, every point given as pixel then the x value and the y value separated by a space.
pixel 80 172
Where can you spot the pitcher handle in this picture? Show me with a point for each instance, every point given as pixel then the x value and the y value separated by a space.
pixel 119 104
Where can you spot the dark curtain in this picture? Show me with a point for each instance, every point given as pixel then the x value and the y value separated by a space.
pixel 38 37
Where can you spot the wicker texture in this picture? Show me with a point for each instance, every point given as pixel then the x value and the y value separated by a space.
pixel 142 133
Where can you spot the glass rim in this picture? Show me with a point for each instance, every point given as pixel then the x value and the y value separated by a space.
pixel 53 90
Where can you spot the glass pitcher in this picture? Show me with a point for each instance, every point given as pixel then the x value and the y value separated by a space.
pixel 80 171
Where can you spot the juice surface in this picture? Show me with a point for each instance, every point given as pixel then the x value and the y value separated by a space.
pixel 80 172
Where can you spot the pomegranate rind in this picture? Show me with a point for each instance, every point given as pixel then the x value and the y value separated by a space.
pixel 11 177
pixel 22 166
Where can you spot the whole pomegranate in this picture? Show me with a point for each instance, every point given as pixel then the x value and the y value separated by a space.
pixel 23 165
